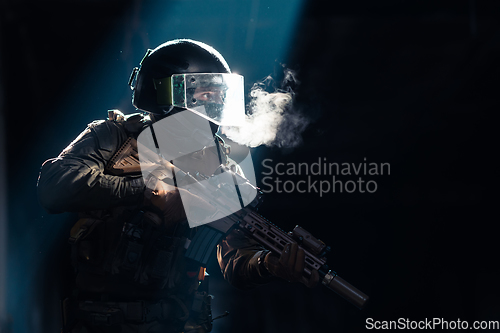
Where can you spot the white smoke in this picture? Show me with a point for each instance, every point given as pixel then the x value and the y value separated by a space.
pixel 272 119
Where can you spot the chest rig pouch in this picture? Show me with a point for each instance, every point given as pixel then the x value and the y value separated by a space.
pixel 133 247
pixel 147 254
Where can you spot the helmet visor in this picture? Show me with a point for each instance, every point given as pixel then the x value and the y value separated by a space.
pixel 215 96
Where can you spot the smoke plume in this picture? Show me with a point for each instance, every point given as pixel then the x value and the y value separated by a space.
pixel 272 118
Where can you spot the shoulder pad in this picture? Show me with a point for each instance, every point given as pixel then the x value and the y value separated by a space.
pixel 109 135
pixel 95 123
pixel 133 123
pixel 116 115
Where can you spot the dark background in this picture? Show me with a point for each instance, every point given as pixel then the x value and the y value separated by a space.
pixel 413 84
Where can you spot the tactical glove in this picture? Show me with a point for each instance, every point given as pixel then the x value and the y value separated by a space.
pixel 173 201
pixel 290 265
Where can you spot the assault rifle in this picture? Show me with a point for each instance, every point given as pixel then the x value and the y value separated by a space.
pixel 203 244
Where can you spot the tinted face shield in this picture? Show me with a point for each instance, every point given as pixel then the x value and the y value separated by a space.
pixel 214 96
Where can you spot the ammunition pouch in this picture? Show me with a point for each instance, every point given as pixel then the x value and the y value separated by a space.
pixel 86 245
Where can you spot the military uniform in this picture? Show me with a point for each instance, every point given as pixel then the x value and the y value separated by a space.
pixel 131 272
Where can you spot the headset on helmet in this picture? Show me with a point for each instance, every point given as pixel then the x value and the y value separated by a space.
pixel 190 75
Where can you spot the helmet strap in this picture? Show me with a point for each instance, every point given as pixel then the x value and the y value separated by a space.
pixel 133 76
pixel 170 108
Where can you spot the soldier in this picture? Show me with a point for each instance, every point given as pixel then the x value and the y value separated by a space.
pixel 128 245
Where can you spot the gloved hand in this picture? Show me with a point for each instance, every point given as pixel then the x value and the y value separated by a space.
pixel 173 202
pixel 290 265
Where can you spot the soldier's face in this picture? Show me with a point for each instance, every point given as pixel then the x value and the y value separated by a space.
pixel 209 95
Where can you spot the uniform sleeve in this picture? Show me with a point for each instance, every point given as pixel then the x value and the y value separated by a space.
pixel 75 180
pixel 240 259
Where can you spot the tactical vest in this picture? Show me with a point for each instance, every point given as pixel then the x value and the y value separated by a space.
pixel 131 245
